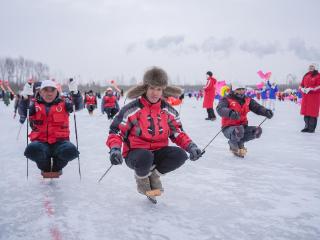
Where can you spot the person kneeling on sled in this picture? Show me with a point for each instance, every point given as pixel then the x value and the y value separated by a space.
pixel 50 147
pixel 144 127
pixel 109 104
pixel 90 101
pixel 233 109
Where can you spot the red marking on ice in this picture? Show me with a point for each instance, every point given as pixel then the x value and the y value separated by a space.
pixel 48 207
pixel 55 233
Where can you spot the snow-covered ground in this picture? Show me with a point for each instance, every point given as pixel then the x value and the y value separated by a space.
pixel 274 193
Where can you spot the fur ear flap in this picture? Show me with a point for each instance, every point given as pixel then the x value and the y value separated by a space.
pixel 136 91
pixel 172 91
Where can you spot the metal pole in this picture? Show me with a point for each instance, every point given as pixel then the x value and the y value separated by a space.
pixel 76 132
pixel 27 141
pixel 105 173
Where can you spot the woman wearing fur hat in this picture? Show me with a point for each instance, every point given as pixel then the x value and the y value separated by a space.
pixel 143 127
pixel 310 86
pixel 209 94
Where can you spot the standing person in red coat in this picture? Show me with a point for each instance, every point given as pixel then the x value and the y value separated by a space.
pixel 310 86
pixel 143 128
pixel 209 94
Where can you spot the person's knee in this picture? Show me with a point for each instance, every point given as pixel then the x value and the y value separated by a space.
pixel 175 160
pixel 144 158
pixel 36 151
pixel 237 134
pixel 258 132
pixel 67 151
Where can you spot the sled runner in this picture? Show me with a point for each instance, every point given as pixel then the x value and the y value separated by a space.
pixel 152 194
pixel 51 174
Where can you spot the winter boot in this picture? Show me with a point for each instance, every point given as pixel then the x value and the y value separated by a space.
pixel 143 184
pixel 155 181
pixel 243 151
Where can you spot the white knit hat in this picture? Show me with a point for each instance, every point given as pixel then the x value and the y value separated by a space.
pixel 48 83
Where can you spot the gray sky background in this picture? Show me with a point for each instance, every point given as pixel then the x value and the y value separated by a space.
pixel 100 39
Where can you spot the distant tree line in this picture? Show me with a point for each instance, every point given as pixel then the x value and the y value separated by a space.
pixel 19 70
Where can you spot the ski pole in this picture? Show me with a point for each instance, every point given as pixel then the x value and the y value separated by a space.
pixel 76 132
pixel 18 135
pixel 263 121
pixel 27 141
pixel 180 109
pixel 125 101
pixel 105 173
pixel 204 149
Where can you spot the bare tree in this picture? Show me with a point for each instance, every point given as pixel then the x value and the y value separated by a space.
pixel 3 70
pixel 10 67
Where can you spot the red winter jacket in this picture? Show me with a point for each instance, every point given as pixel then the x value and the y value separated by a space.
pixel 109 102
pixel 311 101
pixel 242 110
pixel 91 100
pixel 209 92
pixel 51 126
pixel 141 124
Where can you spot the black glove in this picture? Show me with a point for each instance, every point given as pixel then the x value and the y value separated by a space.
pixel 269 114
pixel 115 156
pixel 234 115
pixel 194 151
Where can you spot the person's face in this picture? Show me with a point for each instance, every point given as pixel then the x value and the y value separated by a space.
pixel 311 68
pixel 154 93
pixel 48 94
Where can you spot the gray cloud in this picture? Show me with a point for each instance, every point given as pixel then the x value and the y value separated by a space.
pixel 259 49
pixel 131 47
pixel 218 45
pixel 299 48
pixel 164 42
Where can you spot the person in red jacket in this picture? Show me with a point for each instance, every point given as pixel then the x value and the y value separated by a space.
pixel 109 104
pixel 310 87
pixel 209 94
pixel 143 128
pixel 90 101
pixel 233 109
pixel 50 147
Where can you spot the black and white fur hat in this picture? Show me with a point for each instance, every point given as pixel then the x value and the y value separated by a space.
pixel 157 77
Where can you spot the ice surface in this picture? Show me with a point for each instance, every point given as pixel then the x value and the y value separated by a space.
pixel 274 193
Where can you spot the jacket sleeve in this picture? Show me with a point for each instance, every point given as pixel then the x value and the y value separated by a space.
pixel 121 126
pixel 257 108
pixel 223 108
pixel 32 111
pixel 23 106
pixel 102 105
pixel 76 101
pixel 177 134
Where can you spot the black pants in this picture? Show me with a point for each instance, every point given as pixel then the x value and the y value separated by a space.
pixel 165 160
pixel 60 152
pixel 111 112
pixel 91 108
pixel 310 123
pixel 210 112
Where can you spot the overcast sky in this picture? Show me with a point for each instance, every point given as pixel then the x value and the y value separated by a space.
pixel 101 39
